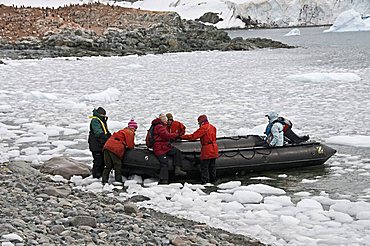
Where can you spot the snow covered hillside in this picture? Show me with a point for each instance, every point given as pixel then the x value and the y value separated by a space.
pixel 264 12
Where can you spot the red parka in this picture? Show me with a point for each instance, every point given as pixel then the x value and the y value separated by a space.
pixel 162 138
pixel 207 134
pixel 176 127
pixel 119 141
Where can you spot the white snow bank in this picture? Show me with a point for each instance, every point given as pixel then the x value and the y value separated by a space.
pixel 356 140
pixel 324 77
pixel 349 21
pixel 109 95
pixel 294 32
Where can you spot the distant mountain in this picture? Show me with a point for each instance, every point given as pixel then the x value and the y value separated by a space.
pixel 241 13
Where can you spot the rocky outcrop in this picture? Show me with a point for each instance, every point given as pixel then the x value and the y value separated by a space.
pixel 70 32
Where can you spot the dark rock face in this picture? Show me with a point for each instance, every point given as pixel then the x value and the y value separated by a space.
pixel 148 33
pixel 209 17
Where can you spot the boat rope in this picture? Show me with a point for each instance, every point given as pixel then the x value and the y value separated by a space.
pixel 238 152
pixel 250 158
pixel 261 153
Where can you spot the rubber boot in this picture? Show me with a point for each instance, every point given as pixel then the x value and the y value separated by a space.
pixel 105 176
pixel 179 172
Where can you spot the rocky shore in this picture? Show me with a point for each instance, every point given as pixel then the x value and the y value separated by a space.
pixel 104 30
pixel 38 211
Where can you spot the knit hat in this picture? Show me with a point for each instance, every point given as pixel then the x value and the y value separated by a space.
pixel 202 118
pixel 169 116
pixel 101 111
pixel 163 117
pixel 132 124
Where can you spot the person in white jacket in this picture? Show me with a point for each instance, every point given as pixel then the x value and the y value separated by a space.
pixel 274 130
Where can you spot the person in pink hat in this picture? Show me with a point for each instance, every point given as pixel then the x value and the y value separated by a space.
pixel 114 150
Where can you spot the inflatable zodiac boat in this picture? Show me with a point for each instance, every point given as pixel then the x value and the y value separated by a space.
pixel 237 155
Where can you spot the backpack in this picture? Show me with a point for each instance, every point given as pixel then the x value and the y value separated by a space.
pixel 149 140
pixel 285 122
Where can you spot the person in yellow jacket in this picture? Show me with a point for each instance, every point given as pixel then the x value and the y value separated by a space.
pixel 98 135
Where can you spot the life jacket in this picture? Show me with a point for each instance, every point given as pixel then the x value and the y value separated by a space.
pixel 287 124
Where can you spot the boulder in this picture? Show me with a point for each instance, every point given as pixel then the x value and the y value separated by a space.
pixel 23 168
pixel 83 221
pixel 209 17
pixel 66 167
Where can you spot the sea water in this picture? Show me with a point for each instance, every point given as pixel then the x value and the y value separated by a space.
pixel 44 102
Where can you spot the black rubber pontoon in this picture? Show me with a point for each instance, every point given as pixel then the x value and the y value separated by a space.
pixel 239 154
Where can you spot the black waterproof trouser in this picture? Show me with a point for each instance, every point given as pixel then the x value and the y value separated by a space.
pixel 112 161
pixel 98 164
pixel 208 170
pixel 163 161
pixel 293 138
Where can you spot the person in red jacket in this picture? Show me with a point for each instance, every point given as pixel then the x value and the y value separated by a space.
pixel 209 151
pixel 174 125
pixel 114 150
pixel 162 149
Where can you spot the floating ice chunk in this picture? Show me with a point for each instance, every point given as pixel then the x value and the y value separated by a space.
pixel 294 32
pixel 363 223
pixel 58 178
pixel 349 21
pixel 30 151
pixel 310 204
pixel 77 180
pixel 364 215
pixel 56 150
pixel 37 95
pixel 37 138
pixel 356 140
pixel 309 181
pixel 186 202
pixel 264 189
pixel 231 206
pixel 261 178
pixel 109 95
pixel 65 143
pixel 130 182
pixel 67 132
pixel 79 152
pixel 244 196
pixel 351 208
pixel 340 217
pixel 324 77
pixel 289 220
pixel 282 200
pixel 229 185
pixel 282 176
pixel 5 108
pixel 137 178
